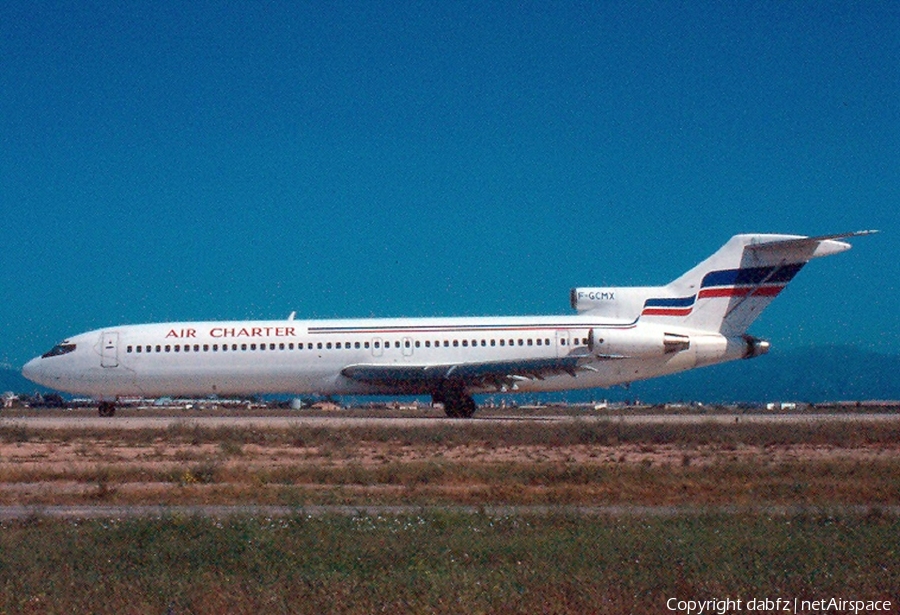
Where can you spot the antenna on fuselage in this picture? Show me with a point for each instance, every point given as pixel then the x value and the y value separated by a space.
pixel 292 315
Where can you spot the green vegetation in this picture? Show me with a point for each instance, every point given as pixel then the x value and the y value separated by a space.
pixel 438 563
pixel 451 561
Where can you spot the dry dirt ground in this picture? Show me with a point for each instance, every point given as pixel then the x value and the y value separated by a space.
pixel 534 461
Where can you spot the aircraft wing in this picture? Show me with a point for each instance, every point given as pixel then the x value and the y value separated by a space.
pixel 489 374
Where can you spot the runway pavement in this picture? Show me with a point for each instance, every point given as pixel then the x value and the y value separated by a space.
pixel 133 421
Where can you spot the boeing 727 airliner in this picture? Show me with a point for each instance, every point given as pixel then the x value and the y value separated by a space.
pixel 618 335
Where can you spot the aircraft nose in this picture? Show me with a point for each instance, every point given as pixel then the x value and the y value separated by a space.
pixel 32 370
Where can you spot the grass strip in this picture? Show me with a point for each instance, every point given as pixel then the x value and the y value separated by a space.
pixel 438 562
pixel 823 482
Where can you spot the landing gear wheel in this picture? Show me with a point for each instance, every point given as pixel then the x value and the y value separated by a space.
pixel 106 408
pixel 466 407
pixel 457 404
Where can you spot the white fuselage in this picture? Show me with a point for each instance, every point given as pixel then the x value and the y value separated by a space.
pixel 307 357
pixel 619 335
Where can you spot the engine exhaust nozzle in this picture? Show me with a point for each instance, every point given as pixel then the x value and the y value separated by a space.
pixel 755 347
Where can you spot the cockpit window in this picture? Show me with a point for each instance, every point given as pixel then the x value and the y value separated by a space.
pixel 59 349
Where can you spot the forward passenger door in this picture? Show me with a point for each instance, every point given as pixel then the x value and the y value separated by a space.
pixel 109 349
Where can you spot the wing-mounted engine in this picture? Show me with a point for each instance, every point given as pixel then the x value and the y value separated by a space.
pixel 622 303
pixel 636 342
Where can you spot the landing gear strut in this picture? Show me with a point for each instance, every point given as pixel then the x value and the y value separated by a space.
pixel 106 408
pixel 457 403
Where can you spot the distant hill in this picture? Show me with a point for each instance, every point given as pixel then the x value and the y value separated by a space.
pixel 12 380
pixel 814 374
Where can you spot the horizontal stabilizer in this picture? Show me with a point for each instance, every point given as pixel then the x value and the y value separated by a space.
pixel 806 248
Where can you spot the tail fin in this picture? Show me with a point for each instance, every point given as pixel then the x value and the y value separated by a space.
pixel 730 289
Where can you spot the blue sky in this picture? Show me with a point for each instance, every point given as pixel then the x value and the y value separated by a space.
pixel 243 160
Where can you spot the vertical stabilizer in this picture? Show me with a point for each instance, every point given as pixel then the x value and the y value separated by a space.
pixel 729 290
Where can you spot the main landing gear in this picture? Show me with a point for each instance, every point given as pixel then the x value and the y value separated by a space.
pixel 457 403
pixel 106 408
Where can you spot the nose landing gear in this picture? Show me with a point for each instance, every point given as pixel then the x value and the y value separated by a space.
pixel 106 408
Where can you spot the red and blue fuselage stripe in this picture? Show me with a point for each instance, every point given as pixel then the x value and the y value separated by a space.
pixel 752 276
pixel 756 281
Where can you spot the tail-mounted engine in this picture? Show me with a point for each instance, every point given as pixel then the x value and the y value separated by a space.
pixel 628 343
pixel 624 303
